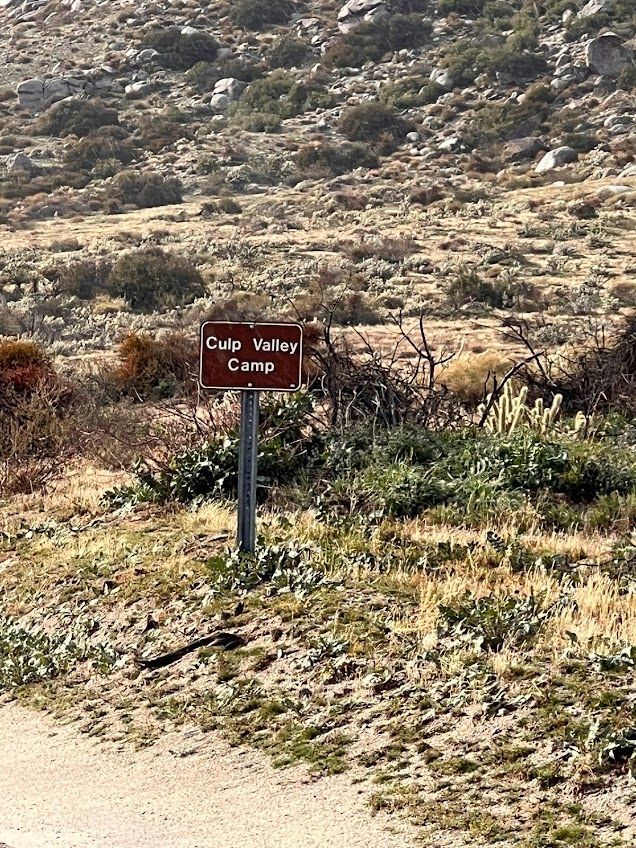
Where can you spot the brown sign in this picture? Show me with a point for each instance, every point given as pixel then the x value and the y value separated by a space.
pixel 257 356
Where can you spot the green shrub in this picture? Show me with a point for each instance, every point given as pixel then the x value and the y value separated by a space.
pixel 83 279
pixel 335 159
pixel 163 130
pixel 75 116
pixel 30 656
pixel 287 52
pixel 151 279
pixel 411 92
pixel 514 62
pixel 211 470
pixel 404 32
pixel 372 121
pixel 369 42
pixel 627 78
pixel 259 122
pixel 146 190
pixel 256 14
pixel 494 123
pixel 107 143
pixel 204 75
pixel 461 7
pixel 181 51
pixel 401 490
pixel 278 96
pixel 468 286
pixel 492 622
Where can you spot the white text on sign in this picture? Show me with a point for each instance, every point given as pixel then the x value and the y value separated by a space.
pixel 264 345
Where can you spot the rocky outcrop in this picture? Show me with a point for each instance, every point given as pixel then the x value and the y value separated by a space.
pixel 21 163
pixel 38 94
pixel 357 12
pixel 607 54
pixel 522 148
pixel 556 159
pixel 226 91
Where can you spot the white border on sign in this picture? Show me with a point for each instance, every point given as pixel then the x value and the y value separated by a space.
pixel 252 325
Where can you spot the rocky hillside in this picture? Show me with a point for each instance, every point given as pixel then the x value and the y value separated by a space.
pixel 281 134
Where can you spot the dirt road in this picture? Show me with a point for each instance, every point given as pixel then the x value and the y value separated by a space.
pixel 59 789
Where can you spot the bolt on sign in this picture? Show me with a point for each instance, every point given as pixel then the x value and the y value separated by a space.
pixel 251 356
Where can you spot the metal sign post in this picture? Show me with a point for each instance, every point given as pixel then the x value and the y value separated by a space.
pixel 250 357
pixel 248 456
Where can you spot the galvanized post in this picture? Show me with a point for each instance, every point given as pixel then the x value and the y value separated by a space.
pixel 248 456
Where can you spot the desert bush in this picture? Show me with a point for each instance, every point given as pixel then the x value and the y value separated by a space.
pixel 322 157
pixel 350 308
pixel 256 14
pixel 242 306
pixel 75 116
pixel 425 195
pixel 24 369
pixel 491 622
pixel 31 656
pixel 179 50
pixel 151 279
pixel 598 376
pixel 280 95
pixel 259 122
pixel 146 189
pixel 211 470
pixel 107 143
pixel 494 123
pixel 204 75
pixel 520 64
pixel 150 368
pixel 222 206
pixel 461 7
pixel 83 279
pixel 287 52
pixel 373 121
pixel 369 42
pixel 163 130
pixel 410 92
pixel 35 437
pixel 627 78
pixel 408 31
pixel 468 286
pixel 469 378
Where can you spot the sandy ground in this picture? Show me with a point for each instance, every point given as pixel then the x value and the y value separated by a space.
pixel 59 789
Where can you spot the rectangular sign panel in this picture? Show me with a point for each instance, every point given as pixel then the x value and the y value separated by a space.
pixel 257 356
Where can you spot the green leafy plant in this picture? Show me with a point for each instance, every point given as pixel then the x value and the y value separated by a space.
pixel 286 568
pixel 491 622
pixel 28 655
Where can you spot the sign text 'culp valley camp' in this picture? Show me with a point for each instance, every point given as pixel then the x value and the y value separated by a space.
pixel 251 356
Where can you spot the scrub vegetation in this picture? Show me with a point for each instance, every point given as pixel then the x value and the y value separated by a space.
pixel 442 600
